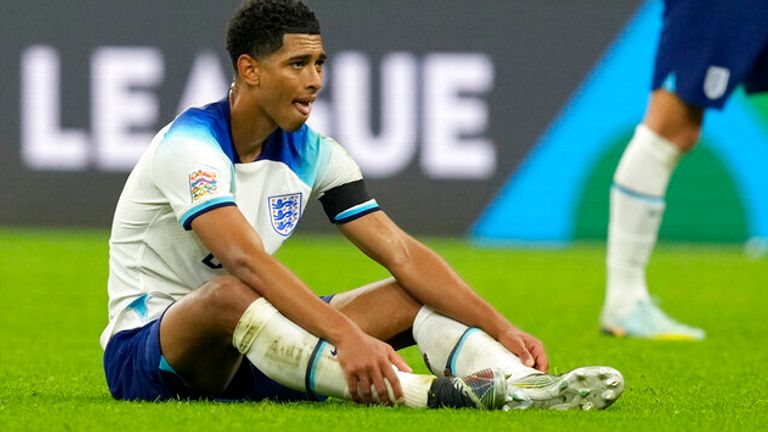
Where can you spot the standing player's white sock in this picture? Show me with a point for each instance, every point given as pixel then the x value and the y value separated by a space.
pixel 451 348
pixel 295 358
pixel 637 207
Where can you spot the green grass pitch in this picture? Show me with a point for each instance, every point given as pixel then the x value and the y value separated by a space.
pixel 53 307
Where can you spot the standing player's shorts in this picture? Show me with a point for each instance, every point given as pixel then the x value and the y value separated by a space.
pixel 136 370
pixel 708 47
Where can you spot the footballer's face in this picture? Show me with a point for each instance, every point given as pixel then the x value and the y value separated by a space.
pixel 290 79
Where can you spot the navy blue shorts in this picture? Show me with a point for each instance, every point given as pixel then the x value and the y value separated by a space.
pixel 136 370
pixel 708 47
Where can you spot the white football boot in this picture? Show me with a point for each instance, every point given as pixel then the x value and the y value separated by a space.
pixel 585 388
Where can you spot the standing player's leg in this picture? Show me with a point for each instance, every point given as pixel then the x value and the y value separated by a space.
pixel 671 127
pixel 386 311
pixel 705 51
pixel 699 60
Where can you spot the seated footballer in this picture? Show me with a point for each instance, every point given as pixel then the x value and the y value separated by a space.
pixel 199 308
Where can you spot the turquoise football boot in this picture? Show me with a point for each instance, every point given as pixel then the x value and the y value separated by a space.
pixel 647 321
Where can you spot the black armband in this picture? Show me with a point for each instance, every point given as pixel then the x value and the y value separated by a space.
pixel 348 202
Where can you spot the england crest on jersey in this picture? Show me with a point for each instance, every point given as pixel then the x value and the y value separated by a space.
pixel 284 212
pixel 716 82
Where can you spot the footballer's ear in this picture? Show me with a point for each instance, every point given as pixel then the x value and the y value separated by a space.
pixel 249 69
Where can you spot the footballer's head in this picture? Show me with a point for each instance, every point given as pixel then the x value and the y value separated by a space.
pixel 278 56
pixel 258 27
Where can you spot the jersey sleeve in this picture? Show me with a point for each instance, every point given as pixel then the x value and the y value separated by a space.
pixel 194 175
pixel 340 186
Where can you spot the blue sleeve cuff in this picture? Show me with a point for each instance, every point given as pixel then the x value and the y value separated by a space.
pixel 191 214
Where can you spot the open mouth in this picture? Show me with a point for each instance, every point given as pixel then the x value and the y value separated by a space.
pixel 303 106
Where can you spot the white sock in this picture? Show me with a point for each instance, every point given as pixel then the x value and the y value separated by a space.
pixel 295 358
pixel 451 348
pixel 637 207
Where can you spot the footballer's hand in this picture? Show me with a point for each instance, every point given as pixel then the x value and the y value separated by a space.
pixel 368 364
pixel 529 349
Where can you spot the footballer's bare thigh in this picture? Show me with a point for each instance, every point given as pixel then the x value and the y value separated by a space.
pixel 196 333
pixel 382 309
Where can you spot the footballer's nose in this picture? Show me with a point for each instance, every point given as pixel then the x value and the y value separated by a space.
pixel 315 80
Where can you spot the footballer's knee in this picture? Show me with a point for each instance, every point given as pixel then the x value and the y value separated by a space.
pixel 227 296
pixel 196 332
pixel 674 119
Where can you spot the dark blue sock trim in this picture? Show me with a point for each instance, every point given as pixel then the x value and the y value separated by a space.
pixel 450 364
pixel 309 376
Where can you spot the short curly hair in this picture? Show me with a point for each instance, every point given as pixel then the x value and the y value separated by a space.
pixel 258 27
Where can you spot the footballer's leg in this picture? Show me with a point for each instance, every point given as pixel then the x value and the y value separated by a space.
pixel 670 128
pixel 386 311
pixel 382 309
pixel 452 348
pixel 297 359
pixel 205 336
pixel 196 334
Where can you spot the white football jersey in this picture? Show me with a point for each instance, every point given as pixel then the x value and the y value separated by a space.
pixel 191 167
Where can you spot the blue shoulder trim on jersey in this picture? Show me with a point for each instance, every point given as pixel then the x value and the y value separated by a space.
pixel 299 150
pixel 186 218
pixel 355 212
pixel 209 123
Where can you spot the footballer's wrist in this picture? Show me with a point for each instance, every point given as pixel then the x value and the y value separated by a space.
pixel 342 331
pixel 499 327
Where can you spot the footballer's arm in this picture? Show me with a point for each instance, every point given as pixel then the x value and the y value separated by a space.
pixel 238 247
pixel 430 280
